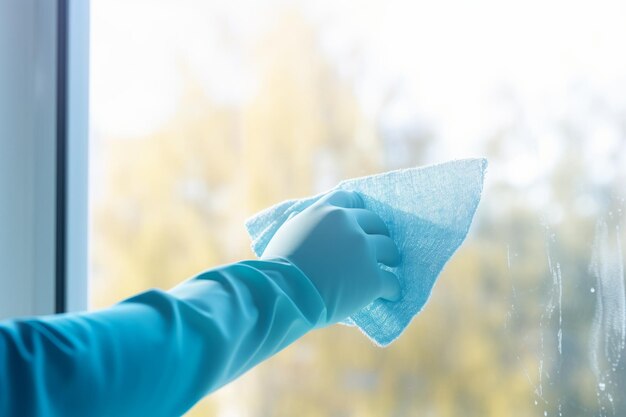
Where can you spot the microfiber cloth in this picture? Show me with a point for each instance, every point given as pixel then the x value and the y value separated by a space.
pixel 428 211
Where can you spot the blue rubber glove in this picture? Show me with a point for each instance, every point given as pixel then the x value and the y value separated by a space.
pixel 158 353
pixel 338 245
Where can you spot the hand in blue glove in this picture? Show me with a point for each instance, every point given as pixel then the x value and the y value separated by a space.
pixel 338 245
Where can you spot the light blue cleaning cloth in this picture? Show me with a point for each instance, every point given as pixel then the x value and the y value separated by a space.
pixel 428 211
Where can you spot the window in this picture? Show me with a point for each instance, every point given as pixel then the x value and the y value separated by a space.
pixel 205 112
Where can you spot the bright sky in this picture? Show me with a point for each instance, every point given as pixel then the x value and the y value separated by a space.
pixel 464 69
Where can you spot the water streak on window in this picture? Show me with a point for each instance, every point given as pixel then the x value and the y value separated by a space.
pixel 608 331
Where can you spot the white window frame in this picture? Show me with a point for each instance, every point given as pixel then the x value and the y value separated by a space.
pixel 44 58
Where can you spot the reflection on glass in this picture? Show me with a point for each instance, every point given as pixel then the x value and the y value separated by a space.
pixel 205 112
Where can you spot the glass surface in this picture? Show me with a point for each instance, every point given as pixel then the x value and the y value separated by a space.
pixel 204 112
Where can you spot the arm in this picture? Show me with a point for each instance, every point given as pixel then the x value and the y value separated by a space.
pixel 159 352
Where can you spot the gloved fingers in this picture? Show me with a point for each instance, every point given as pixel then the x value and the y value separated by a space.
pixel 386 250
pixel 370 222
pixel 343 198
pixel 390 286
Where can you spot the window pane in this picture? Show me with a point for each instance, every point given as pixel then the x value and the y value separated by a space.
pixel 205 112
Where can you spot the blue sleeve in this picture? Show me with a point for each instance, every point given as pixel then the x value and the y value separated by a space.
pixel 158 353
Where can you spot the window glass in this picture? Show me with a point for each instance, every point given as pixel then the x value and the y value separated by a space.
pixel 204 112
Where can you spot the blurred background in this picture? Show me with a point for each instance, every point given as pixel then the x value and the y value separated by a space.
pixel 206 111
